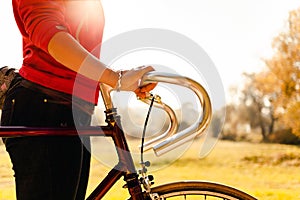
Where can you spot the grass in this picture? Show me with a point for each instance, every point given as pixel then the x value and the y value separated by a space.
pixel 267 171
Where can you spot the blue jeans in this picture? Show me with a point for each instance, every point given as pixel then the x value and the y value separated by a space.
pixel 46 167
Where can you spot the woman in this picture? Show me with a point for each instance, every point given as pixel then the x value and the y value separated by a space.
pixel 61 47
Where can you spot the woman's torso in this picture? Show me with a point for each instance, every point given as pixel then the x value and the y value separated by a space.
pixel 84 20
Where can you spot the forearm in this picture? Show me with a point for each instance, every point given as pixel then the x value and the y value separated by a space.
pixel 66 50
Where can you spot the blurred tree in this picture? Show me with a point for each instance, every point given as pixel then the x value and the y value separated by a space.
pixel 282 79
pixel 272 97
pixel 257 101
pixel 236 124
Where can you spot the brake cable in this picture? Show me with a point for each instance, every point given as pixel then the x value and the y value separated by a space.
pixel 145 127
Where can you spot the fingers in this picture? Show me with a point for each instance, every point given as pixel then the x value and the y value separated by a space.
pixel 143 91
pixel 131 78
pixel 141 95
pixel 148 87
pixel 148 69
pixel 144 70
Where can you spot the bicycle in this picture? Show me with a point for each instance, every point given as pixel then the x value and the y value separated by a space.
pixel 138 183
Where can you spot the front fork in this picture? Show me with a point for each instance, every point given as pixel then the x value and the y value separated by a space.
pixel 135 184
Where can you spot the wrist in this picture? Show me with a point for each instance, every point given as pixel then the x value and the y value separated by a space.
pixel 110 78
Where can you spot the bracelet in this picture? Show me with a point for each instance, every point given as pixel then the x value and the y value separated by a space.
pixel 119 81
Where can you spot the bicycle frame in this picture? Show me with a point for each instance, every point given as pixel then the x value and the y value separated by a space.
pixel 125 167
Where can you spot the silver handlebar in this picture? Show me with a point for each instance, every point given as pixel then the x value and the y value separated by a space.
pixel 198 127
pixel 170 140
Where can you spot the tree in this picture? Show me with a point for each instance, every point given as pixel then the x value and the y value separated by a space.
pixel 257 97
pixel 270 99
pixel 284 67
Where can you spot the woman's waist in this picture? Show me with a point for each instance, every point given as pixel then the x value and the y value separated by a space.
pixel 71 84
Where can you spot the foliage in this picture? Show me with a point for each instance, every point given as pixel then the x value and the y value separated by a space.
pixel 284 69
pixel 284 136
pixel 291 118
pixel 272 97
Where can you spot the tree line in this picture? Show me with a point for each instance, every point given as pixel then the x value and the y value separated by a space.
pixel 269 100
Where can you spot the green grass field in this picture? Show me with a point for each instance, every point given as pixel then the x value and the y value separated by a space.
pixel 267 171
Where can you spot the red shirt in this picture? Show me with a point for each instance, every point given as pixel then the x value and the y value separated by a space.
pixel 38 21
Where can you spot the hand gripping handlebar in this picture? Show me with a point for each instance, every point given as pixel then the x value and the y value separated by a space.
pixel 170 140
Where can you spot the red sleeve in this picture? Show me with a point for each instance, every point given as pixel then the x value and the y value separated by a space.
pixel 39 20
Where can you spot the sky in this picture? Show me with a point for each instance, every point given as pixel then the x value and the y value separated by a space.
pixel 235 34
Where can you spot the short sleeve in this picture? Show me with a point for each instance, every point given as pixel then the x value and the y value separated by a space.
pixel 41 19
